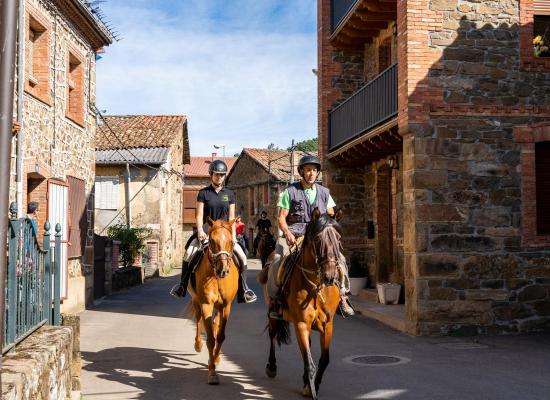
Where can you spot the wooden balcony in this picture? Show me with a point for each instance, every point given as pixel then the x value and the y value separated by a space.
pixel 356 22
pixel 367 121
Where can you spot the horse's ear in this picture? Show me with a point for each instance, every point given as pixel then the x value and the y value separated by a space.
pixel 316 214
pixel 339 214
pixel 231 221
pixel 210 221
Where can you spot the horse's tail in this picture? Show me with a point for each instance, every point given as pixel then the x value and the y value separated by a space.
pixel 188 310
pixel 281 331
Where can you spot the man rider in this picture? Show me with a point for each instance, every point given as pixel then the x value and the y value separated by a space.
pixel 296 204
pixel 217 202
pixel 263 223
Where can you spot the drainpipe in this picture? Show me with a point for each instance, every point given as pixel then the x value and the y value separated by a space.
pixel 127 187
pixel 8 26
pixel 21 134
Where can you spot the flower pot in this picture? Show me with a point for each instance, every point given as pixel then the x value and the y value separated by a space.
pixel 388 293
pixel 356 284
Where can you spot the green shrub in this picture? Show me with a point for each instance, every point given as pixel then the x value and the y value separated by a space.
pixel 132 241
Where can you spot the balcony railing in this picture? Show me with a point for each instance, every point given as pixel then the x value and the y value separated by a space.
pixel 340 8
pixel 373 104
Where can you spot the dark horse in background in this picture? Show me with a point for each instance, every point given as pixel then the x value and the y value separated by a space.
pixel 266 245
pixel 311 298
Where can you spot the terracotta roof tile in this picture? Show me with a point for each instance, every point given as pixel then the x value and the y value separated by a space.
pixel 139 131
pixel 199 165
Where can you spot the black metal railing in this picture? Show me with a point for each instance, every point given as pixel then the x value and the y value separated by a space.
pixel 373 104
pixel 33 284
pixel 339 10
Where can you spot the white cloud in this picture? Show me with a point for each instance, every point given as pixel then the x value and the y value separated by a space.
pixel 243 86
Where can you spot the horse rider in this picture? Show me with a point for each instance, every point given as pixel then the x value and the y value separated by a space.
pixel 217 202
pixel 296 204
pixel 263 224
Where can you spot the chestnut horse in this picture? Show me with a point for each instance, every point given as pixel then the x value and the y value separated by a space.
pixel 311 297
pixel 266 245
pixel 216 283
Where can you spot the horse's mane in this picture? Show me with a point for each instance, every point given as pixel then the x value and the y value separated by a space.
pixel 330 236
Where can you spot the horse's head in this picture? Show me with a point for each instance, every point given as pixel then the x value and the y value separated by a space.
pixel 324 234
pixel 220 237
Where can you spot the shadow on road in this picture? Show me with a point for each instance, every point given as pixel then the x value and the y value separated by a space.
pixel 157 374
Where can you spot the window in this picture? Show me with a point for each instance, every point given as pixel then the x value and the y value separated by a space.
pixel 37 71
pixel 534 21
pixel 189 205
pixel 106 192
pixel 75 89
pixel 78 224
pixel 265 188
pixel 542 173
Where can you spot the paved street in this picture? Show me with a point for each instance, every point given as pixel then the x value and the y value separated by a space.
pixel 139 345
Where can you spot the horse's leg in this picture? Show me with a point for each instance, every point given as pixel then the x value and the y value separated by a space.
pixel 198 317
pixel 222 317
pixel 303 334
pixel 326 337
pixel 207 311
pixel 271 367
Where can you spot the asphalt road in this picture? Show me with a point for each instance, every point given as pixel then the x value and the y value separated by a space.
pixel 138 344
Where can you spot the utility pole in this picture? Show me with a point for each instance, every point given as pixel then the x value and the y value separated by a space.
pixel 292 163
pixel 8 30
pixel 128 199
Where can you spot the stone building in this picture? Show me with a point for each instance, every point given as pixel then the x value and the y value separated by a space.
pixel 155 149
pixel 56 126
pixel 197 177
pixel 258 177
pixel 434 130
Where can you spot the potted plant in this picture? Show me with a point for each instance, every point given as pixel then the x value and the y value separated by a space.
pixel 357 274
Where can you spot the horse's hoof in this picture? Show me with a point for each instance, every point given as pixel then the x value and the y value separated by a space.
pixel 198 347
pixel 213 379
pixel 272 373
pixel 306 391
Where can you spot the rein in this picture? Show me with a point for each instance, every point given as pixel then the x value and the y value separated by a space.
pixel 213 257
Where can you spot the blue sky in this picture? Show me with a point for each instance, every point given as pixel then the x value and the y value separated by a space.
pixel 239 69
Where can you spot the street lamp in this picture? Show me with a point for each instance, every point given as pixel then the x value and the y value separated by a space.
pixel 220 146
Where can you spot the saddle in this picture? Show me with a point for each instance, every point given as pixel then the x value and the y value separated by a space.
pixel 287 264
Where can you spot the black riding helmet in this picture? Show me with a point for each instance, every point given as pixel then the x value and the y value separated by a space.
pixel 308 159
pixel 218 167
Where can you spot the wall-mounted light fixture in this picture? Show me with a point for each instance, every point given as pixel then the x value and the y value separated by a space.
pixel 392 162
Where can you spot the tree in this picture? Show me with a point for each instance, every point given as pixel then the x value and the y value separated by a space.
pixel 271 146
pixel 309 145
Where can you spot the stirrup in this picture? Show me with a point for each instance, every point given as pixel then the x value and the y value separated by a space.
pixel 249 296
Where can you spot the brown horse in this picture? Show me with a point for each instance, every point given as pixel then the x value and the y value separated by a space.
pixel 216 283
pixel 266 245
pixel 311 298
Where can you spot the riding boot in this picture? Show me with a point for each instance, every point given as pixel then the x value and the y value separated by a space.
pixel 244 293
pixel 180 290
pixel 345 307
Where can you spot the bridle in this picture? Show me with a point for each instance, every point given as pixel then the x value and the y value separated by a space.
pixel 214 258
pixel 319 261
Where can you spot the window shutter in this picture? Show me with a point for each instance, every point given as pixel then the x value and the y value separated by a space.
pixel 106 192
pixel 542 166
pixel 541 7
pixel 189 205
pixel 78 219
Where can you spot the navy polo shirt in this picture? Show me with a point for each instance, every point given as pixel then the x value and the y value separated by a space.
pixel 216 205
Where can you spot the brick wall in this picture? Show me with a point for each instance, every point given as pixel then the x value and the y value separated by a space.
pixel 467 96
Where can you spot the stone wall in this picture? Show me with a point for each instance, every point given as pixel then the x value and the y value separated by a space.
pixel 54 145
pixel 470 270
pixel 41 366
pixel 247 174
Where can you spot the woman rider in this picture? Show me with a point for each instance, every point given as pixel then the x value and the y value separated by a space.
pixel 217 202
